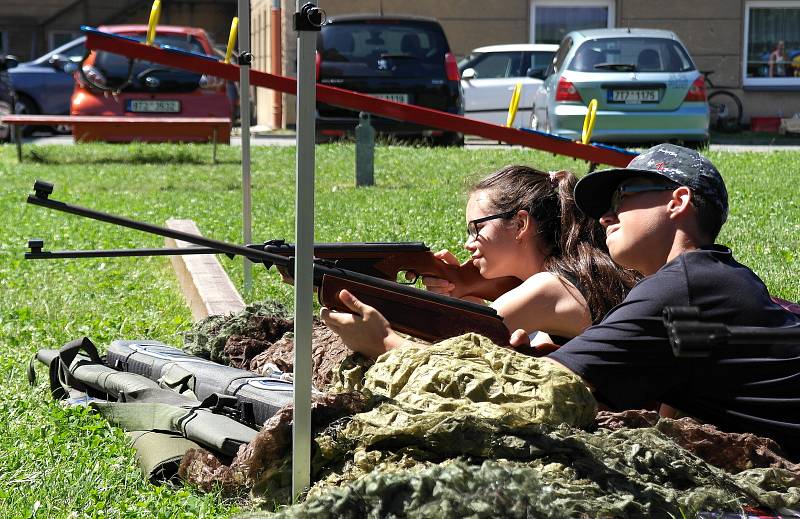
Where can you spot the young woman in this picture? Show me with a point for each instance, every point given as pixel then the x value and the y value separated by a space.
pixel 523 222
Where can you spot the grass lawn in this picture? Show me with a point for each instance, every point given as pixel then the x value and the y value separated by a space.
pixel 57 462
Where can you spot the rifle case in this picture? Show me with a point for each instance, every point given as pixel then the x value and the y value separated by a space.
pixel 258 397
pixel 161 424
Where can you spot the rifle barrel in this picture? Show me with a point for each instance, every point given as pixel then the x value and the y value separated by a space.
pixel 43 189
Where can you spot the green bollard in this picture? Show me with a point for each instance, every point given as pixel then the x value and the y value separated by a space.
pixel 365 151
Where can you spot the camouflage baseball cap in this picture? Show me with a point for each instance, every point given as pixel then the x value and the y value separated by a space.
pixel 681 165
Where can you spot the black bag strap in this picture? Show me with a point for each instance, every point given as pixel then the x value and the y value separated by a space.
pixel 60 377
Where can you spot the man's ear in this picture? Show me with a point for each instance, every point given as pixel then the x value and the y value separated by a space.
pixel 680 201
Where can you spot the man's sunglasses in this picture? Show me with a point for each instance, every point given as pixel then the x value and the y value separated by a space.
pixel 472 225
pixel 622 191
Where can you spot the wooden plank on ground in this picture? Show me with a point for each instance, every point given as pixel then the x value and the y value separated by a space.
pixel 207 288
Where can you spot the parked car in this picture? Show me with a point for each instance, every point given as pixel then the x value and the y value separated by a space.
pixel 400 58
pixel 489 76
pixel 147 88
pixel 646 86
pixel 44 85
pixel 6 94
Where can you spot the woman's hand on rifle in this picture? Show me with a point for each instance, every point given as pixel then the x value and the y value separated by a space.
pixel 443 286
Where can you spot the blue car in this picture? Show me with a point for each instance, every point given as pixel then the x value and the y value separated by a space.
pixel 6 93
pixel 44 85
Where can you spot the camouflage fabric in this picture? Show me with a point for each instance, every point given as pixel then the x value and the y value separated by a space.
pixel 559 472
pixel 463 428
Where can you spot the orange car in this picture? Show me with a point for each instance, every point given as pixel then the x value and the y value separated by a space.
pixel 149 89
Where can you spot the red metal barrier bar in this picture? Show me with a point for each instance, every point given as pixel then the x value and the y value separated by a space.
pixel 360 102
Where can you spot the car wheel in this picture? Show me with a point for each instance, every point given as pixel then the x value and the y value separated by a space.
pixel 25 106
pixel 448 139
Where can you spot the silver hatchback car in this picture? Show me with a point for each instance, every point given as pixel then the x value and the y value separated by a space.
pixel 646 86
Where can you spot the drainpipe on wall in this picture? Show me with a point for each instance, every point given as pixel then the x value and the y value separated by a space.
pixel 275 66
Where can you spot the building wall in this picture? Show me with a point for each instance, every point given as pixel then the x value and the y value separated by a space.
pixel 712 30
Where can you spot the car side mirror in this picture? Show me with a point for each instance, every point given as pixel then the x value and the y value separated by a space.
pixel 70 67
pixel 8 62
pixel 468 74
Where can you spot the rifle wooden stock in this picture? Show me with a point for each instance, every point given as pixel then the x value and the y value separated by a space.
pixel 390 260
pixel 423 318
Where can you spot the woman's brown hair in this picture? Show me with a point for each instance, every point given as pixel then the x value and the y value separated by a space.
pixel 574 243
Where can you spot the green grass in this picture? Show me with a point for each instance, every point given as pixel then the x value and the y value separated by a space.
pixel 55 462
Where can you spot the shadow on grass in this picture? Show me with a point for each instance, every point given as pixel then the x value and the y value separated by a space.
pixel 131 154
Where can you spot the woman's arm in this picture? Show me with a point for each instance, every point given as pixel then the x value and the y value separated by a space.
pixel 545 302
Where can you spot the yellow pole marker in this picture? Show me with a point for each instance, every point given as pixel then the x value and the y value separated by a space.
pixel 232 39
pixel 588 121
pixel 155 14
pixel 512 107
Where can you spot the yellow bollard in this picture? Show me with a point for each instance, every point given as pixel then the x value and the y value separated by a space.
pixel 232 39
pixel 588 121
pixel 155 14
pixel 512 107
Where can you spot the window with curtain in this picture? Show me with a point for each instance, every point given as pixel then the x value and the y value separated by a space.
pixel 772 43
pixel 552 20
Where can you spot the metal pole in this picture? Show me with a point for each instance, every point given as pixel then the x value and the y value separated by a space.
pixel 244 117
pixel 306 22
pixel 276 49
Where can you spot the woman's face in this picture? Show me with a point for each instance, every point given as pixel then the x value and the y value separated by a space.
pixel 493 249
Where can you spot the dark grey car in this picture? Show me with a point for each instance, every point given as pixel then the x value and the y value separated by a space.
pixel 400 58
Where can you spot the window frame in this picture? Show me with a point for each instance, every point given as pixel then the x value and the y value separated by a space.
pixel 765 83
pixel 610 4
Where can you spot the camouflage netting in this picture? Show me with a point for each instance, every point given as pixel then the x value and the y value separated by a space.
pixel 464 428
pixel 260 339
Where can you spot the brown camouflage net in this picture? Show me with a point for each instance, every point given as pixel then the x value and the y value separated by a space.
pixel 464 428
pixel 260 338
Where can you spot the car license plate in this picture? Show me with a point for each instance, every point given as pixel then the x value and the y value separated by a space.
pixel 634 97
pixel 399 98
pixel 154 106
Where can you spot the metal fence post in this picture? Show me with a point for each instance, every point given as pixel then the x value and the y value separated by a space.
pixel 365 151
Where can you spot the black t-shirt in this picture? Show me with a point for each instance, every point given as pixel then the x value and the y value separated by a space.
pixel 628 360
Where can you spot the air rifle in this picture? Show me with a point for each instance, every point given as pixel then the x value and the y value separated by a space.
pixel 397 261
pixel 692 338
pixel 425 315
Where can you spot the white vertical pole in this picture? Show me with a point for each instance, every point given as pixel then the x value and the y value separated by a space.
pixel 304 253
pixel 244 116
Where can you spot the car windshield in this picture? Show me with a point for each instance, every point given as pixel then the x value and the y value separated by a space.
pixel 631 55
pixel 378 47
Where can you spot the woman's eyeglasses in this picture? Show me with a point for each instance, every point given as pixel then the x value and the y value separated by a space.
pixel 472 225
pixel 622 191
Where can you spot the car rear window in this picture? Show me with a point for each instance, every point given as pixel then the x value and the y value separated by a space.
pixel 379 48
pixel 631 55
pixel 115 67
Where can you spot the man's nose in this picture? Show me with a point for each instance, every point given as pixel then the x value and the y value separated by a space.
pixel 609 218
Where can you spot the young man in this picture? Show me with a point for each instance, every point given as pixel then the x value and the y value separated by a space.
pixel 662 214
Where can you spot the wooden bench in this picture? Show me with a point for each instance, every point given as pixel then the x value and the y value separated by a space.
pixel 87 128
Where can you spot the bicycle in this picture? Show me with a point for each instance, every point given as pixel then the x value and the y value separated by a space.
pixel 725 107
